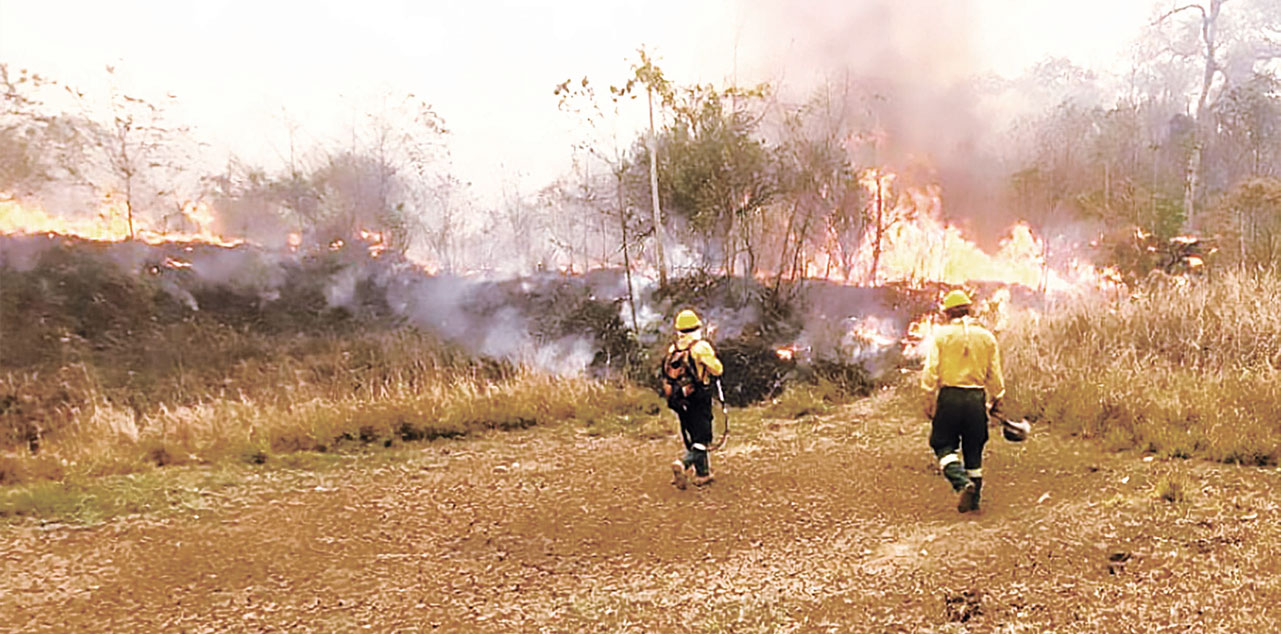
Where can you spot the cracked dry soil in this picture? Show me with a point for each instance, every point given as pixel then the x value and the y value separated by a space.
pixel 837 523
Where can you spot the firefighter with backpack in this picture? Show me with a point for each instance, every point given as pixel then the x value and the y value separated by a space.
pixel 688 370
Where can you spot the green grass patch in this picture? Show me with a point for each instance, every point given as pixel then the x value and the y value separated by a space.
pixel 89 500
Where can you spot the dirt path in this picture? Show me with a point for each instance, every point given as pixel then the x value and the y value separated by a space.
pixel 837 524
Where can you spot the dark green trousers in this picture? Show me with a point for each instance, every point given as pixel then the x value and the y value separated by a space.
pixel 695 414
pixel 960 423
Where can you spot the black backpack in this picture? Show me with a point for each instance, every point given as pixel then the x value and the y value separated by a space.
pixel 680 377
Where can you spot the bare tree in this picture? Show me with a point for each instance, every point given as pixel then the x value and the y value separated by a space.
pixel 818 187
pixel 24 129
pixel 1226 56
pixel 580 98
pixel 136 155
pixel 646 73
pixel 1209 17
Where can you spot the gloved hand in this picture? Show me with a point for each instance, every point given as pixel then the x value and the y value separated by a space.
pixel 995 409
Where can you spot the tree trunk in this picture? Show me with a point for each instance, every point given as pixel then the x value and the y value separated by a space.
pixel 127 172
pixel 1193 173
pixel 731 246
pixel 1107 189
pixel 880 230
pixel 627 261
pixel 660 236
pixel 745 228
pixel 1192 180
pixel 782 257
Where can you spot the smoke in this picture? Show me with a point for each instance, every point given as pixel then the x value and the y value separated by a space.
pixel 518 321
pixel 909 65
pixel 914 84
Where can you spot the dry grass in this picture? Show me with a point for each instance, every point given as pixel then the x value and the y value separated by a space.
pixel 310 394
pixel 799 400
pixel 1179 368
pixel 104 370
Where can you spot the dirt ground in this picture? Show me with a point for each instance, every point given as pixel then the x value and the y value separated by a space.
pixel 837 523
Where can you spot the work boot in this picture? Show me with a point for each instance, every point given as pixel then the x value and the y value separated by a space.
pixel 679 477
pixel 969 500
pixel 702 480
pixel 978 491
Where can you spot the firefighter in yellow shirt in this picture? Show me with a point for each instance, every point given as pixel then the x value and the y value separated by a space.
pixel 688 370
pixel 962 382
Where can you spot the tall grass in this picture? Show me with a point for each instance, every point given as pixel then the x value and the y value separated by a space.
pixel 105 369
pixel 253 397
pixel 1180 367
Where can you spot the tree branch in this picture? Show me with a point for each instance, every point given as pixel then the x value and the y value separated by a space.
pixel 1171 12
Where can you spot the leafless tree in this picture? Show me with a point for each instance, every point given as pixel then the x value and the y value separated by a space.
pixel 1230 47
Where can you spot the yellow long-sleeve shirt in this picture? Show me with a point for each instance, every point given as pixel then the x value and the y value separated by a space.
pixel 705 361
pixel 963 354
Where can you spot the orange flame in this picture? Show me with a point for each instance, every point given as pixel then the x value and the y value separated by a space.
pixel 109 224
pixel 375 240
pixel 919 335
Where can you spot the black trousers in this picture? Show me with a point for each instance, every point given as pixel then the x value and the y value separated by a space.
pixel 960 422
pixel 695 413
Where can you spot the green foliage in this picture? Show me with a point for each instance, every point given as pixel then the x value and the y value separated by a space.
pixel 1136 253
pixel 818 185
pixel 711 163
pixel 1110 166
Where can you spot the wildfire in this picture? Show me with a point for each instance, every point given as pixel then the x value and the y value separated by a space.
pixel 919 335
pixel 917 246
pixel 869 334
pixel 375 240
pixel 907 241
pixel 110 224
pixel 877 182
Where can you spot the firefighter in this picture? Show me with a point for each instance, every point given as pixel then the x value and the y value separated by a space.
pixel 689 368
pixel 962 382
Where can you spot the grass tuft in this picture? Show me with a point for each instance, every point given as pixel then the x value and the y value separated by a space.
pixel 320 395
pixel 1179 368
pixel 1172 488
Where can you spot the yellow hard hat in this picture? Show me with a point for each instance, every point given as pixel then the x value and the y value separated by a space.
pixel 955 298
pixel 687 320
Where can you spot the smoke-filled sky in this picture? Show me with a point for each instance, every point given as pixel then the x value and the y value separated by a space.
pixel 245 72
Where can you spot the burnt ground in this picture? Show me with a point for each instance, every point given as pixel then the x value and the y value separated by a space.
pixel 836 523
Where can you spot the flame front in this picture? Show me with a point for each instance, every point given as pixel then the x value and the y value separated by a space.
pixel 110 224
pixel 915 245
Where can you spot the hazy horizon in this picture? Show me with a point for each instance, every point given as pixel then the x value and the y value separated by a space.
pixel 243 74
